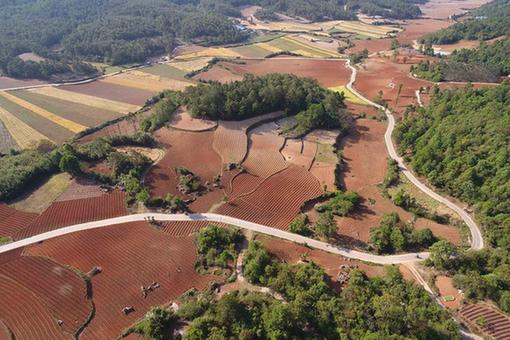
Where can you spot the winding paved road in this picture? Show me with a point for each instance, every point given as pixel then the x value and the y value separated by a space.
pixel 476 235
pixel 402 258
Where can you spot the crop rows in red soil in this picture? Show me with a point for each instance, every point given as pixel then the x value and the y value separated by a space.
pixel 193 151
pixel 60 290
pixel 277 200
pixel 264 158
pixel 119 93
pixel 381 74
pixel 25 315
pixel 130 256
pixel 417 28
pixel 80 188
pixel 291 253
pixel 185 228
pixel 12 221
pixel 327 72
pixel 497 325
pixel 231 140
pixel 299 152
pixel 66 213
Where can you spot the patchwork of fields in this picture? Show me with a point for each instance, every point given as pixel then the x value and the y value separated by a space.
pixel 56 113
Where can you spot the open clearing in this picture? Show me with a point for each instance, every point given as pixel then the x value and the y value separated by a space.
pixel 450 295
pixel 182 120
pixel 146 81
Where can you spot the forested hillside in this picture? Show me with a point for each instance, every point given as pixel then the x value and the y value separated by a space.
pixel 120 32
pixel 486 63
pixel 489 21
pixel 460 142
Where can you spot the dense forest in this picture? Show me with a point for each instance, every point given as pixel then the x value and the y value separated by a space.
pixel 490 21
pixel 314 106
pixel 121 32
pixel 470 160
pixel 486 63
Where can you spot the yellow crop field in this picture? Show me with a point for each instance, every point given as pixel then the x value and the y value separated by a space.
pixel 211 52
pixel 84 99
pixel 190 65
pixel 70 125
pixel 349 96
pixel 24 135
pixel 268 47
pixel 362 28
pixel 147 83
pixel 318 49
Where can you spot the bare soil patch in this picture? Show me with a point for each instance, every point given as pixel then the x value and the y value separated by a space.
pixel 7 82
pixel 450 295
pixel 183 120
pixel 13 221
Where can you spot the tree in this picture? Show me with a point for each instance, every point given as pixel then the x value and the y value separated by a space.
pixel 158 321
pixel 326 225
pixel 69 163
pixel 300 226
pixel 441 254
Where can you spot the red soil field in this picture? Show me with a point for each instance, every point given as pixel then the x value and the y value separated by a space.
pixel 365 156
pixel 185 228
pixel 63 292
pixel 442 9
pixel 218 73
pixel 203 161
pixel 373 45
pixel 130 255
pixel 100 167
pixel 114 92
pixel 80 188
pixel 446 288
pixel 7 82
pixel 264 158
pixel 277 200
pixel 407 274
pixel 327 72
pixel 497 324
pixel 380 74
pixel 231 140
pixel 13 221
pixel 25 315
pixel 291 253
pixel 299 152
pixel 61 214
pixel 417 28
pixel 323 169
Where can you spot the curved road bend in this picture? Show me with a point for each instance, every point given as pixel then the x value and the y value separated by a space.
pixel 390 259
pixel 477 242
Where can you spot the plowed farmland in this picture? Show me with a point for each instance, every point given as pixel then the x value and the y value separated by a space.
pixel 13 221
pixel 264 158
pixel 325 160
pixel 120 93
pixel 328 73
pixel 65 213
pixel 277 200
pixel 80 189
pixel 203 161
pixel 231 140
pixel 380 74
pixel 487 319
pixel 146 82
pixel 299 152
pixel 62 292
pixel 7 141
pixel 130 256
pixel 183 120
pixel 25 315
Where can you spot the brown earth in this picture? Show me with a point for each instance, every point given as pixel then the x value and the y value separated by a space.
pixel 13 221
pixel 183 120
pixel 446 288
pixel 7 82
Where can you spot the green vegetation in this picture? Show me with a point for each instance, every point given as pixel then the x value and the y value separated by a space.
pixel 164 109
pixel 485 63
pixel 314 106
pixel 300 225
pixel 469 160
pixel 393 235
pixel 356 58
pixel 392 174
pixel 491 20
pixel 157 324
pixel 188 181
pixel 388 307
pixel 217 247
pixel 341 204
pixel 5 240
pixel 391 9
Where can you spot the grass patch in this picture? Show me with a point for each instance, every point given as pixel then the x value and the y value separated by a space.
pixel 5 240
pixel 325 153
pixel 41 197
pixel 166 71
pixel 253 50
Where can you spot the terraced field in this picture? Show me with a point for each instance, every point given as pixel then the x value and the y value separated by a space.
pixel 487 319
